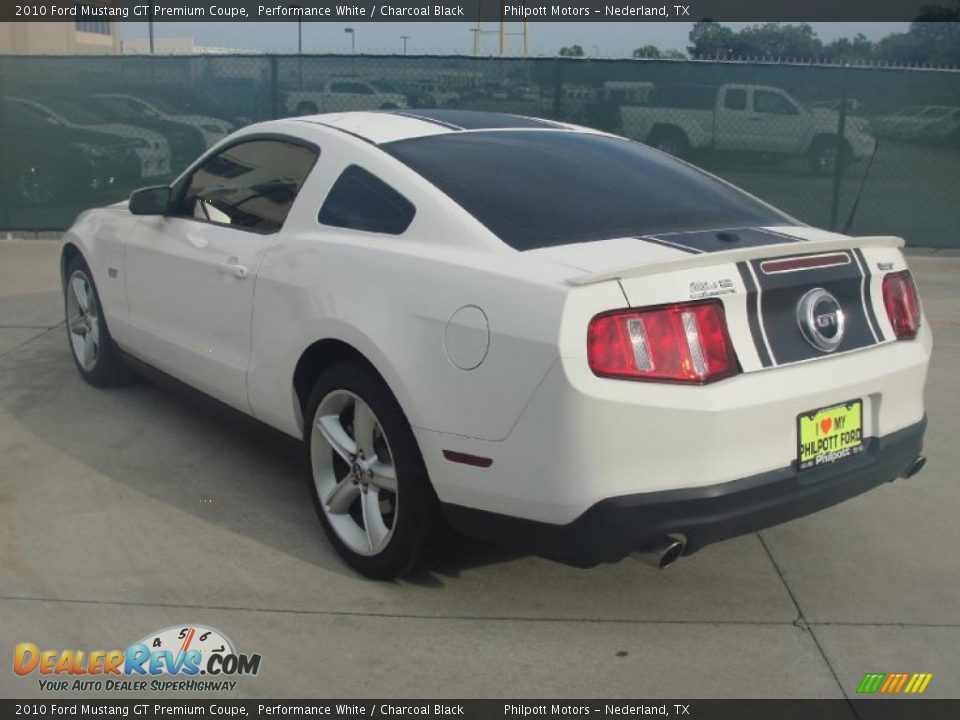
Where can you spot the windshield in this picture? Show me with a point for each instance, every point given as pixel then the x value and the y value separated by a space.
pixel 543 188
pixel 74 111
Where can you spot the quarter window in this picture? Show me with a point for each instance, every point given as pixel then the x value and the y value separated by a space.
pixel 251 185
pixel 361 201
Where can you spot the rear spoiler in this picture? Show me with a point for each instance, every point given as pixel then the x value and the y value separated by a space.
pixel 804 247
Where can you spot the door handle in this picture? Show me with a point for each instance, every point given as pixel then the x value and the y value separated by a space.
pixel 234 269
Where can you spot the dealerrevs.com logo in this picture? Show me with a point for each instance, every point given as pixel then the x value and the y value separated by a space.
pixel 179 658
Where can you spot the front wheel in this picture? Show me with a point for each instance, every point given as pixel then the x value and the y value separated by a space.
pixel 367 476
pixel 94 352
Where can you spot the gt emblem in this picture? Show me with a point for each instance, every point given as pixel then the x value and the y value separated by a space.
pixel 821 320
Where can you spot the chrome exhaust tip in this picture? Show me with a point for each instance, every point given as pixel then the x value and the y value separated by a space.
pixel 665 551
pixel 916 467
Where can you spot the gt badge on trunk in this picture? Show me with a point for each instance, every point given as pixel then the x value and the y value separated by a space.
pixel 830 434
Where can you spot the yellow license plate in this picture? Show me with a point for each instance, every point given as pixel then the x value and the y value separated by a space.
pixel 830 434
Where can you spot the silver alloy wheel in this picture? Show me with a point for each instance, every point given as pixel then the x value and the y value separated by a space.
pixel 354 473
pixel 83 317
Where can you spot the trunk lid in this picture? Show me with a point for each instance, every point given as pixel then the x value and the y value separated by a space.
pixel 790 294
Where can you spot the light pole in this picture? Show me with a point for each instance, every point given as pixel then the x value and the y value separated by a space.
pixel 150 27
pixel 353 40
pixel 404 38
pixel 299 37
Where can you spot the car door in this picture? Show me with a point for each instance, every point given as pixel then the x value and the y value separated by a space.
pixel 191 274
pixel 734 125
pixel 779 125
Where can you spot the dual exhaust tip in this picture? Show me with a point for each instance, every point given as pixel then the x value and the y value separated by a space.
pixel 665 551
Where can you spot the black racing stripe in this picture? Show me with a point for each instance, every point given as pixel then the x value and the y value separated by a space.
pixel 866 297
pixel 477 120
pixel 671 245
pixel 782 293
pixel 426 119
pixel 724 239
pixel 345 132
pixel 753 314
pixel 791 238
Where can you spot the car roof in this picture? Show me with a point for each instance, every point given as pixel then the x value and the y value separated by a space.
pixel 385 126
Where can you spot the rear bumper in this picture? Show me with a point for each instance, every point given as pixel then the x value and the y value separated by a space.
pixel 617 526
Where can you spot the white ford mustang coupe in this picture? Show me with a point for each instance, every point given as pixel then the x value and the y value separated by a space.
pixel 535 333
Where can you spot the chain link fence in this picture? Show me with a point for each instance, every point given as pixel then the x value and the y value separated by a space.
pixel 814 140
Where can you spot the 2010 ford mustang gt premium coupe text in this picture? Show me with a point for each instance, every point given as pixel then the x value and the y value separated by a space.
pixel 536 333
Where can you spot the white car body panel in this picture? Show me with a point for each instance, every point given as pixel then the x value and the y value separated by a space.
pixel 561 438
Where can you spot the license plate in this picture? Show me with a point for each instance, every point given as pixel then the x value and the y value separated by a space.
pixel 829 434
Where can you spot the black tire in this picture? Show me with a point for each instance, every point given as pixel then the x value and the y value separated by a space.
pixel 107 368
pixel 417 521
pixel 38 183
pixel 669 140
pixel 823 156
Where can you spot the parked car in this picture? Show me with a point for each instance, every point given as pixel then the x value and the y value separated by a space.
pixel 945 128
pixel 37 149
pixel 342 95
pixel 213 130
pixel 151 147
pixel 543 335
pixel 931 123
pixel 186 141
pixel 754 119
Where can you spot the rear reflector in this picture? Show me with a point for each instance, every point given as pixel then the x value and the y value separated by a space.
pixel 902 303
pixel 686 343
pixel 772 267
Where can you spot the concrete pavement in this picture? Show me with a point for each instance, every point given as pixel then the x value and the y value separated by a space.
pixel 130 510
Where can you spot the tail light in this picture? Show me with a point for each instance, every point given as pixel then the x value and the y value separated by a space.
pixel 902 303
pixel 675 343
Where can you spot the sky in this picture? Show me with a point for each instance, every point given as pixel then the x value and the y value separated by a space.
pixel 600 39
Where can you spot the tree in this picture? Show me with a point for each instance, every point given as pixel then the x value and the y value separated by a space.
pixel 572 51
pixel 710 39
pixel 858 50
pixel 647 51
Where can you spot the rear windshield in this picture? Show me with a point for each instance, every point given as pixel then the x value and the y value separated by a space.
pixel 542 188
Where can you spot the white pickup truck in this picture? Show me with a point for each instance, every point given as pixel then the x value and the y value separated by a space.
pixel 341 95
pixel 745 119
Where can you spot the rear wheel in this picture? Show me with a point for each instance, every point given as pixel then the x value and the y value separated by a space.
pixel 669 140
pixel 367 477
pixel 824 154
pixel 93 350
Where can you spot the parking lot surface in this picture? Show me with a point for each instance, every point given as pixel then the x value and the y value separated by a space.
pixel 130 510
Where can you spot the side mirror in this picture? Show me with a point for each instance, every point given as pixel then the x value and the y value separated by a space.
pixel 150 201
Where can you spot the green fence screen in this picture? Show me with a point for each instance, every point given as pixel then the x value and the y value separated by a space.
pixel 814 140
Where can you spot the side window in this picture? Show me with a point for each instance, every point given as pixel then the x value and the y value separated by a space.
pixel 773 103
pixel 735 99
pixel 251 185
pixel 360 201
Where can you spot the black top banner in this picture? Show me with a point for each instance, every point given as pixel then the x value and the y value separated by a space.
pixel 356 11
